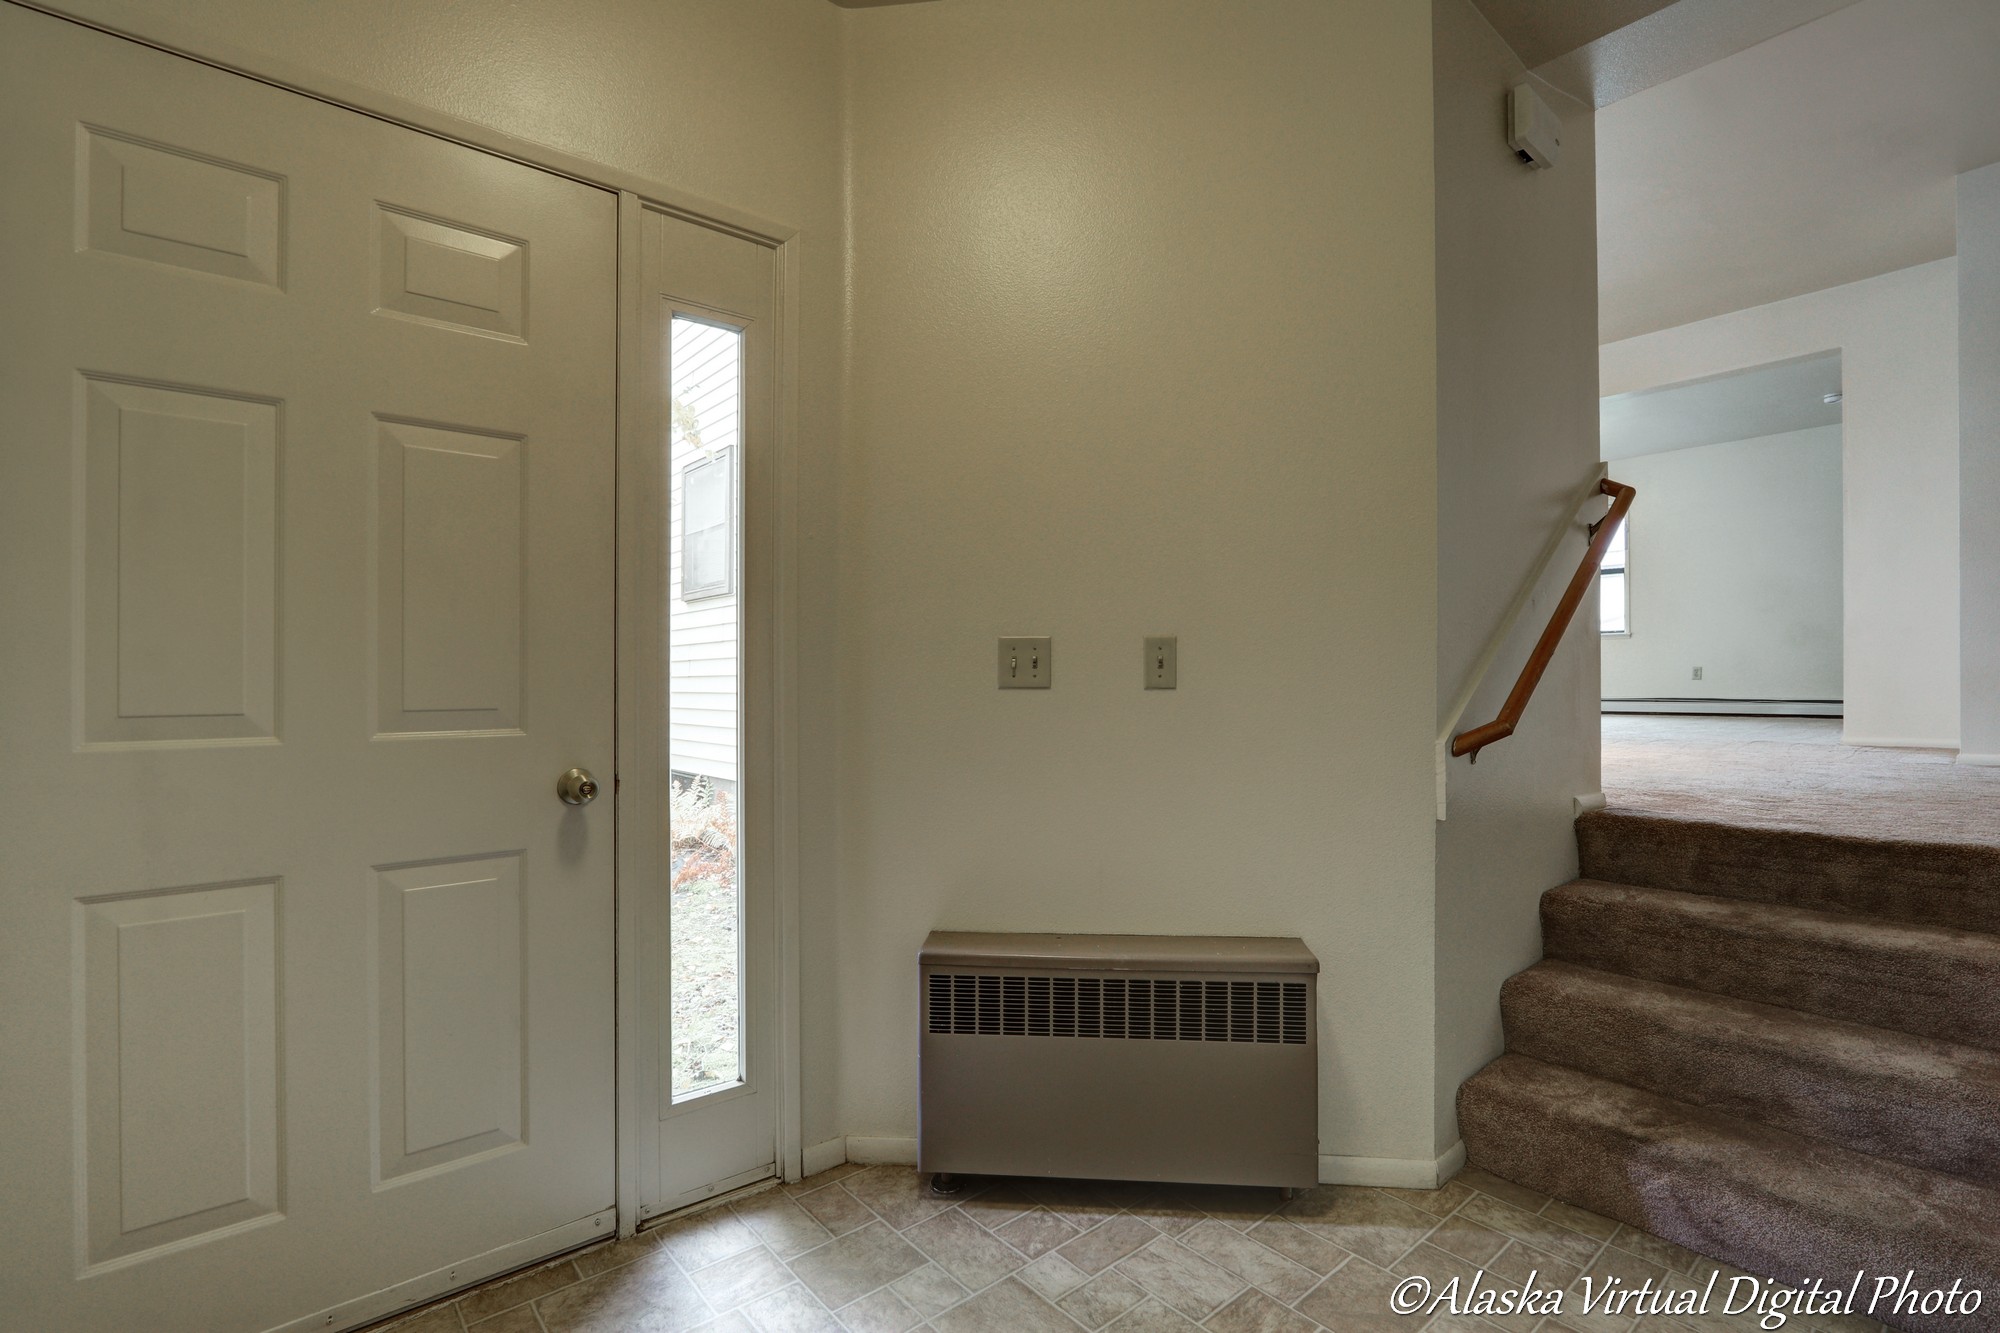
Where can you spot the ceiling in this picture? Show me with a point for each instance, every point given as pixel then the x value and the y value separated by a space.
pixel 1821 156
pixel 1669 42
pixel 1742 405
pixel 1540 30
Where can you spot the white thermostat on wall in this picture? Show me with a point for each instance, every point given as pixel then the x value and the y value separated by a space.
pixel 1533 131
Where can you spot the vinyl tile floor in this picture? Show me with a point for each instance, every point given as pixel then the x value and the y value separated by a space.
pixel 870 1250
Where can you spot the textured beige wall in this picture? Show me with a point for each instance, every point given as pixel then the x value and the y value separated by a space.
pixel 733 101
pixel 1517 439
pixel 1142 342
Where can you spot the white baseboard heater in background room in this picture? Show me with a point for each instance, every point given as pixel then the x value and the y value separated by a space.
pixel 1730 707
pixel 1190 1059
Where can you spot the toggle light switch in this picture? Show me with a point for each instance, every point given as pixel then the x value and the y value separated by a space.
pixel 1161 668
pixel 1024 664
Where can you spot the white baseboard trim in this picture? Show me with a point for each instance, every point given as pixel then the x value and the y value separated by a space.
pixel 824 1156
pixel 881 1152
pixel 1408 1173
pixel 1728 707
pixel 1392 1172
pixel 1980 760
pixel 1898 742
pixel 1585 802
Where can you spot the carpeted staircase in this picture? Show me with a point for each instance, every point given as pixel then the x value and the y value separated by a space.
pixel 1778 1049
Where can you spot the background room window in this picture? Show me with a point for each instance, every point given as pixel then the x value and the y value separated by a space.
pixel 1613 588
pixel 708 499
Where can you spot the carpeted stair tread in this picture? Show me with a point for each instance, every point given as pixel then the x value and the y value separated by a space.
pixel 1929 981
pixel 1929 1103
pixel 1925 883
pixel 1768 1201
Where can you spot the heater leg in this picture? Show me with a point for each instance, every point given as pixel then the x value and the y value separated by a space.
pixel 1287 1193
pixel 944 1183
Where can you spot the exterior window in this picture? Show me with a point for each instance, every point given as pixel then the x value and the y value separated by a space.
pixel 704 658
pixel 708 502
pixel 1614 612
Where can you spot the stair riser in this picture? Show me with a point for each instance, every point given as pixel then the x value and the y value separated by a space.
pixel 1922 883
pixel 1933 1107
pixel 1718 1198
pixel 1931 983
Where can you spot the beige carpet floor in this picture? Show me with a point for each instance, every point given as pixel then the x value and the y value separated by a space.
pixel 1794 773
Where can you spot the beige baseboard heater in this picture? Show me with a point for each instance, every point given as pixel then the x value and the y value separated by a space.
pixel 1177 1058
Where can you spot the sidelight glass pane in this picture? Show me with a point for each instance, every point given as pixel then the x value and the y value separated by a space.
pixel 704 653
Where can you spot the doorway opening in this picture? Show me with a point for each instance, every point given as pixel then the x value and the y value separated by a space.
pixel 1721 600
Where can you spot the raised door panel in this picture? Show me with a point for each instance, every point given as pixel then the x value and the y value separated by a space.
pixel 178 207
pixel 178 557
pixel 449 588
pixel 177 1021
pixel 451 1067
pixel 451 275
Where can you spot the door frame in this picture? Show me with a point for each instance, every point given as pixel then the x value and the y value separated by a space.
pixel 637 1033
pixel 645 691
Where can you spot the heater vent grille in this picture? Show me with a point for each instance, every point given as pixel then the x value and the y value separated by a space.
pixel 1121 1008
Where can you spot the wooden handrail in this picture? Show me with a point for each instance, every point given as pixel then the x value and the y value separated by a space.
pixel 1500 728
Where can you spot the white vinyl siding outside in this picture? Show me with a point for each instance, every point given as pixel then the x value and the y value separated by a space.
pixel 703 633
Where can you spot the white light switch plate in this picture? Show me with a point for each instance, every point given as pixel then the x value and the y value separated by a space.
pixel 1025 664
pixel 1162 668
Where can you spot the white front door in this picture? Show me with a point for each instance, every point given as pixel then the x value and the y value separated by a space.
pixel 306 583
pixel 699 573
